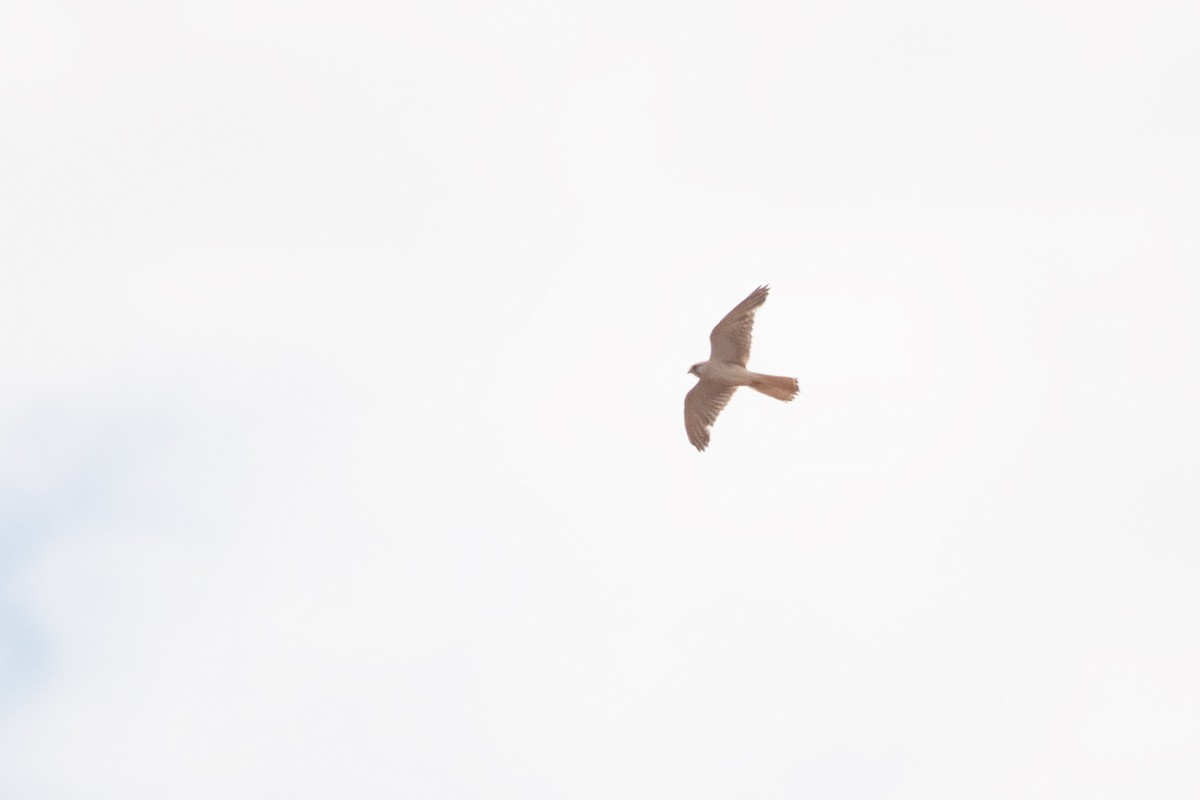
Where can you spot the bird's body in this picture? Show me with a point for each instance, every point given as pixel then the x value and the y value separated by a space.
pixel 723 371
pixel 726 370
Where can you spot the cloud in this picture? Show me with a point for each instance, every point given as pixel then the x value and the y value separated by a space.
pixel 344 350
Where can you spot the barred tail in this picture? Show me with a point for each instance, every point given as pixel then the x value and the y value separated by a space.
pixel 775 386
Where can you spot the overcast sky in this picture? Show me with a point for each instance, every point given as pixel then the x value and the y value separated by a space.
pixel 342 356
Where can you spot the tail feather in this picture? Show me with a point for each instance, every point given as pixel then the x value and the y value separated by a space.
pixel 775 386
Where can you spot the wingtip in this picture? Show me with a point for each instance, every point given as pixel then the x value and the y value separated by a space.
pixel 758 296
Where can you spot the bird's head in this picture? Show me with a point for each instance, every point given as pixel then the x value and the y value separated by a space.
pixel 695 370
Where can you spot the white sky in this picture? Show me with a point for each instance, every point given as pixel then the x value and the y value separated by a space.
pixel 342 357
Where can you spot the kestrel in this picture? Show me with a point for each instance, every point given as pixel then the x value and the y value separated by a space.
pixel 726 370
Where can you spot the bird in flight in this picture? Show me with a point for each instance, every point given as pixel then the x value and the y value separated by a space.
pixel 726 370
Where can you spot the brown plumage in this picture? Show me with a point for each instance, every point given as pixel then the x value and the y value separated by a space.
pixel 726 370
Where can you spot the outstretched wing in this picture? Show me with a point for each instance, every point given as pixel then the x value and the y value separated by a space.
pixel 730 340
pixel 701 407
